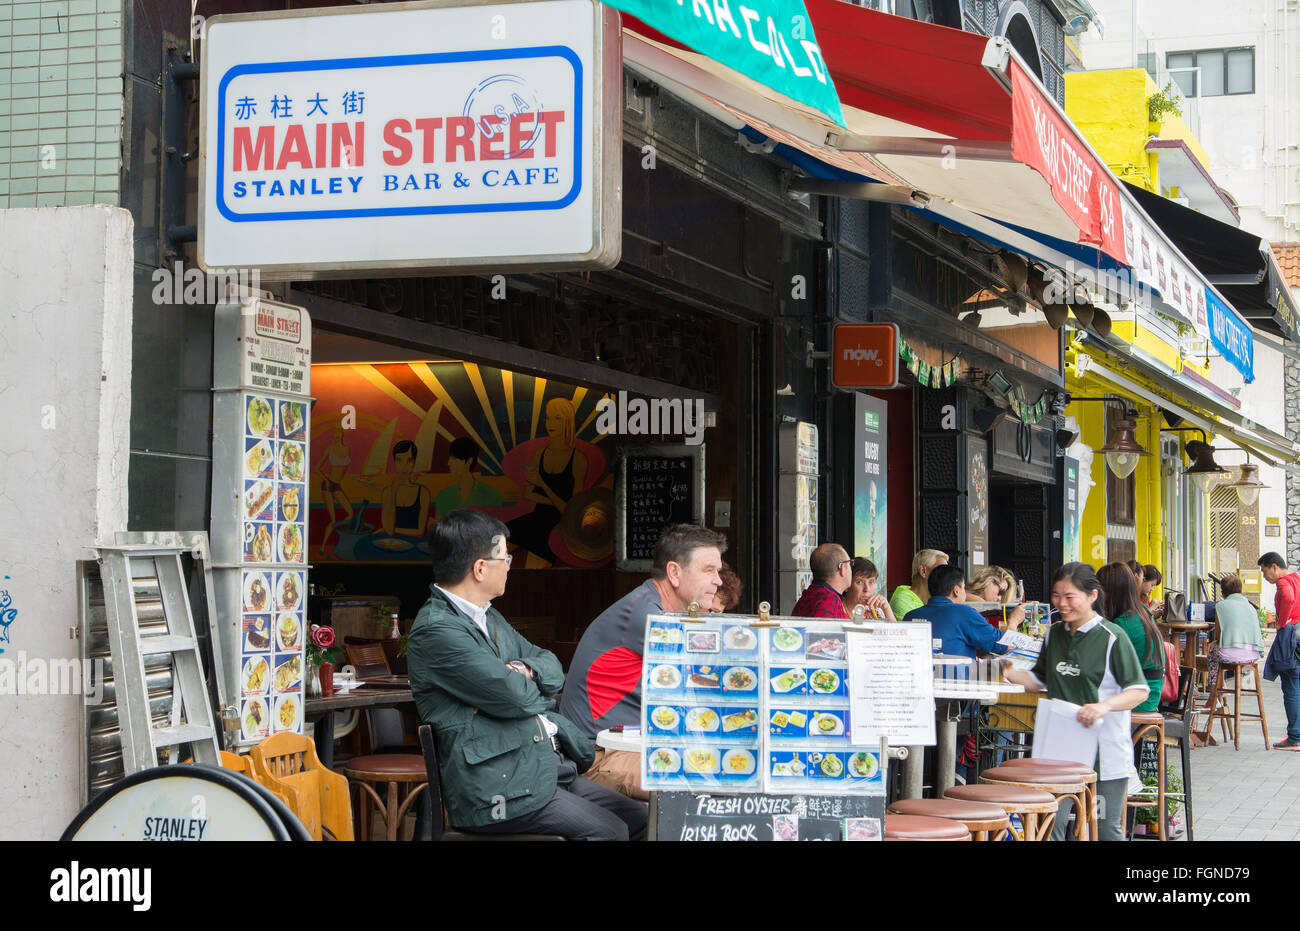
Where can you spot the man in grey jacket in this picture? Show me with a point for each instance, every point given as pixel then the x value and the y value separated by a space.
pixel 509 762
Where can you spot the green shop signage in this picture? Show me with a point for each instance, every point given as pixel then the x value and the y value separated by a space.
pixel 769 41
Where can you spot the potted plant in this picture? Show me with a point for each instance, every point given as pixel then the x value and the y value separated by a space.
pixel 1162 104
pixel 1145 818
pixel 1266 620
pixel 322 654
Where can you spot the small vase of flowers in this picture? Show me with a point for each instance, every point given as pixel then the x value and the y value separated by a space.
pixel 322 654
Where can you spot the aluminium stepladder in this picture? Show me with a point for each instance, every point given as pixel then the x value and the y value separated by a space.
pixel 129 571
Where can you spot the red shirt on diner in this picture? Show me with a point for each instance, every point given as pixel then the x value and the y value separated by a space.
pixel 820 600
pixel 1286 599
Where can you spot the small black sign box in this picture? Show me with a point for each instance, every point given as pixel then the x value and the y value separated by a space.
pixel 658 493
pixel 695 816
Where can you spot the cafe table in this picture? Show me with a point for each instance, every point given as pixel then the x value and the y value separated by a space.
pixel 1191 630
pixel 323 709
pixel 949 697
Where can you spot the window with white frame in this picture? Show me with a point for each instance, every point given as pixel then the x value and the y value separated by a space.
pixel 1213 72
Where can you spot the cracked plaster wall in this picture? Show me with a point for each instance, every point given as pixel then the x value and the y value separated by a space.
pixel 65 408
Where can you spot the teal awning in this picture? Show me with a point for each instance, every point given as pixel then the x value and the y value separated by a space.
pixel 768 41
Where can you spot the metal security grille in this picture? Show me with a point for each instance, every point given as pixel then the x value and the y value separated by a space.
pixel 1224 521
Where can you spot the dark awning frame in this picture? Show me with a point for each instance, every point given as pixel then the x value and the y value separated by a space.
pixel 1242 266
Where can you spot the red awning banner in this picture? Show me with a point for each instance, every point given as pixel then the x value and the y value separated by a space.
pixel 1042 139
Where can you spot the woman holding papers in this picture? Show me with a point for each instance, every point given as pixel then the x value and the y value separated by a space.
pixel 1089 662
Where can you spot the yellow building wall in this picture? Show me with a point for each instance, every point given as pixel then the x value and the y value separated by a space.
pixel 1110 107
pixel 1148 519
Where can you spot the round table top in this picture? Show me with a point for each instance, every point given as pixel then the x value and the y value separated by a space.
pixel 1184 625
pixel 620 740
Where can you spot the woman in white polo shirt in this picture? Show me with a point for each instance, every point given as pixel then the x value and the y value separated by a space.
pixel 1090 662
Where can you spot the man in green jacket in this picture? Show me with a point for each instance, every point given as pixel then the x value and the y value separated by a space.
pixel 509 762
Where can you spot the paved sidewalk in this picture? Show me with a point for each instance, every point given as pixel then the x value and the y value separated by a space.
pixel 1252 793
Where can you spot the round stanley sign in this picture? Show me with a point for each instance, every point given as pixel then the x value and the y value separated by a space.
pixel 185 803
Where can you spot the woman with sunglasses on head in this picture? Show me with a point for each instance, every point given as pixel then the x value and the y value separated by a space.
pixel 1090 662
pixel 993 583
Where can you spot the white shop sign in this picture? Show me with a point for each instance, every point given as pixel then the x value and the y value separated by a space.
pixel 412 136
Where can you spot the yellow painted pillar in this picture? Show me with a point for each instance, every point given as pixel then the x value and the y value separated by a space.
pixel 1151 545
pixel 1091 418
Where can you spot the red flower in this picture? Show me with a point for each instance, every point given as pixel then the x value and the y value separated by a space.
pixel 322 637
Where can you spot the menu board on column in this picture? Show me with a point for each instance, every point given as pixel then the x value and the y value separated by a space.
pixel 733 708
pixel 264 421
pixel 891 670
pixel 797 519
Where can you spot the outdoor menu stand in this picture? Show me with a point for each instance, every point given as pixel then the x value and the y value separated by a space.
pixel 1030 804
pixel 1062 785
pixel 982 819
pixel 1086 774
pixel 919 827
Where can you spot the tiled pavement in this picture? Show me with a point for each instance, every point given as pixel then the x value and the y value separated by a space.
pixel 1252 793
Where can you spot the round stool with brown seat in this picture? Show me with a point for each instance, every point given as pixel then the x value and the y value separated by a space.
pixel 397 771
pixel 1085 772
pixel 1037 809
pixel 1060 784
pixel 980 818
pixel 1152 724
pixel 919 827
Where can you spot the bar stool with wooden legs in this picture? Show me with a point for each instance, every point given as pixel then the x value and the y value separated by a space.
pixel 1036 809
pixel 919 827
pixel 1082 770
pixel 1145 724
pixel 1061 785
pixel 982 819
pixel 395 770
pixel 1233 721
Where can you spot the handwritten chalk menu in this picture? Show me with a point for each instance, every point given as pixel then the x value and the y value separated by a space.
pixel 892 684
pixel 727 707
pixel 658 487
pixel 692 816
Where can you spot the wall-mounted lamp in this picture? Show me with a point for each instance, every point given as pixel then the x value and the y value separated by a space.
pixel 999 383
pixel 1249 485
pixel 1204 472
pixel 1123 451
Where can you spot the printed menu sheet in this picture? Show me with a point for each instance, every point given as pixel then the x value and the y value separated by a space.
pixel 273 590
pixel 891 668
pixel 731 707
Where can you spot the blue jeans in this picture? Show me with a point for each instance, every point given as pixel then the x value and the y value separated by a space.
pixel 1291 702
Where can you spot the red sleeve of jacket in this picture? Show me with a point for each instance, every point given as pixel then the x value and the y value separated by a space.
pixel 612 677
pixel 1284 600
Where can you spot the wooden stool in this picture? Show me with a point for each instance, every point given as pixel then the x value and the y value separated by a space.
pixel 1037 809
pixel 1061 785
pixel 1084 771
pixel 1233 721
pixel 919 827
pixel 1145 723
pixel 980 818
pixel 393 769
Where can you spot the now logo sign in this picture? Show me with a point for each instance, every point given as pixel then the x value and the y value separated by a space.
pixel 865 355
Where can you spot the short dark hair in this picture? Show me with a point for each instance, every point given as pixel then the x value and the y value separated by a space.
pixel 461 539
pixel 1272 559
pixel 678 542
pixel 466 450
pixel 1230 585
pixel 944 579
pixel 405 446
pixel 728 594
pixel 865 568
pixel 1151 574
pixel 1137 569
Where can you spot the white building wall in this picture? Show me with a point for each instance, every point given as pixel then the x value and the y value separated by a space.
pixel 1253 140
pixel 65 409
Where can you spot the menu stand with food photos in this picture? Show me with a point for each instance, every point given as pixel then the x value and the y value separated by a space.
pixel 261 421
pixel 735 705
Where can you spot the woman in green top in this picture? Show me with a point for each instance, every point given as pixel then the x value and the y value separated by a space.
pixel 1120 593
